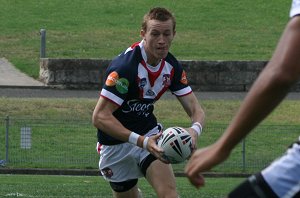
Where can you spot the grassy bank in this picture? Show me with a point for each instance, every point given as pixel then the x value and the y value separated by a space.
pixel 206 30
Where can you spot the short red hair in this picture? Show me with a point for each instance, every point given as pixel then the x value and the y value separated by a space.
pixel 160 14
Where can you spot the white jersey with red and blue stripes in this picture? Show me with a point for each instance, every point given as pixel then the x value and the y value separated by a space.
pixel 135 86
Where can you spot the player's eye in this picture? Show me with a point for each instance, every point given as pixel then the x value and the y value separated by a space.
pixel 155 34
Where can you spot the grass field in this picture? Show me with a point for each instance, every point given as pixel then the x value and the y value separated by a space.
pixel 53 121
pixel 92 186
pixel 206 30
pixel 217 111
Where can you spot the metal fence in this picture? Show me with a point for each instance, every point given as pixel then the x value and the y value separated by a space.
pixel 68 144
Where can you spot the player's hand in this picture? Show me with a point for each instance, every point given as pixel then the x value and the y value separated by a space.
pixel 154 149
pixel 194 135
pixel 203 160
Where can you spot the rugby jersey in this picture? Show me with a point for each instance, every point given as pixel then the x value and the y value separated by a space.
pixel 135 86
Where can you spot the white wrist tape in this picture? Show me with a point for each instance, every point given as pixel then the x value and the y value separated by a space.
pixel 197 127
pixel 145 142
pixel 133 138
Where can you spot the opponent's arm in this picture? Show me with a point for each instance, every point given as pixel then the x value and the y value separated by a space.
pixel 270 88
pixel 267 92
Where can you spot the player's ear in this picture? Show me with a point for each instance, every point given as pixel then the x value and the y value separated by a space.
pixel 142 33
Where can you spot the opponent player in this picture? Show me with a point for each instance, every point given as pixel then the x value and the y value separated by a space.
pixel 127 128
pixel 282 177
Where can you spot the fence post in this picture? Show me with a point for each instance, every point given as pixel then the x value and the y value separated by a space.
pixel 2 161
pixel 6 138
pixel 244 153
pixel 43 43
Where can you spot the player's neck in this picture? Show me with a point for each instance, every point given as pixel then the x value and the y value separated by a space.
pixel 148 57
pixel 153 63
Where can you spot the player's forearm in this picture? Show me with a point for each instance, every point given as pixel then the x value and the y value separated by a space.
pixel 110 125
pixel 198 115
pixel 270 88
pixel 192 108
pixel 267 92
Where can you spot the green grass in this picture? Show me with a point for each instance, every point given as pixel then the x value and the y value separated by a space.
pixel 91 186
pixel 55 122
pixel 206 30
pixel 217 111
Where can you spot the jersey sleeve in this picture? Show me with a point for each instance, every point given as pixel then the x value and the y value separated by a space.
pixel 295 9
pixel 179 86
pixel 116 83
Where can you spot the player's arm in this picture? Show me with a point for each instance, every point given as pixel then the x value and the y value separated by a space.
pixel 272 85
pixel 104 119
pixel 195 112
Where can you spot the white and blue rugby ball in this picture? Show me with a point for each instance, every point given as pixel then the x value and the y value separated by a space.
pixel 176 143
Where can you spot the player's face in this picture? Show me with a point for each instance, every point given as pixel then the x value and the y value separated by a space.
pixel 158 38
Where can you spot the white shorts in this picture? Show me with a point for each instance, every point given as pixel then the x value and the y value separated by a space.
pixel 283 175
pixel 120 162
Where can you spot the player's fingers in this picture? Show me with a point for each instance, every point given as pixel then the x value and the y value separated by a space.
pixel 157 151
pixel 194 138
pixel 164 160
pixel 156 136
pixel 152 142
pixel 193 175
pixel 160 156
pixel 197 180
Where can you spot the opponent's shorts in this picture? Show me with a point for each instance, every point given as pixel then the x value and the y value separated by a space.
pixel 280 179
pixel 125 162
pixel 283 175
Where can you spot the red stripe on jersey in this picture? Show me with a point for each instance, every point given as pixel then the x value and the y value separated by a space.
pixel 153 75
pixel 134 45
pixel 166 87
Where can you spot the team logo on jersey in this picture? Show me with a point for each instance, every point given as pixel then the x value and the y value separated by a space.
pixel 138 107
pixel 183 79
pixel 150 93
pixel 166 80
pixel 112 79
pixel 122 85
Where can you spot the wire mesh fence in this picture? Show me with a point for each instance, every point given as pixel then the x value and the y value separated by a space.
pixel 53 143
pixel 68 144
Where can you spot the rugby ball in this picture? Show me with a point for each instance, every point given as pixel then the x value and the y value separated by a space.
pixel 176 143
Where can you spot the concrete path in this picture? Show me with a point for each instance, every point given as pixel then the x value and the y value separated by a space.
pixel 14 83
pixel 11 76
